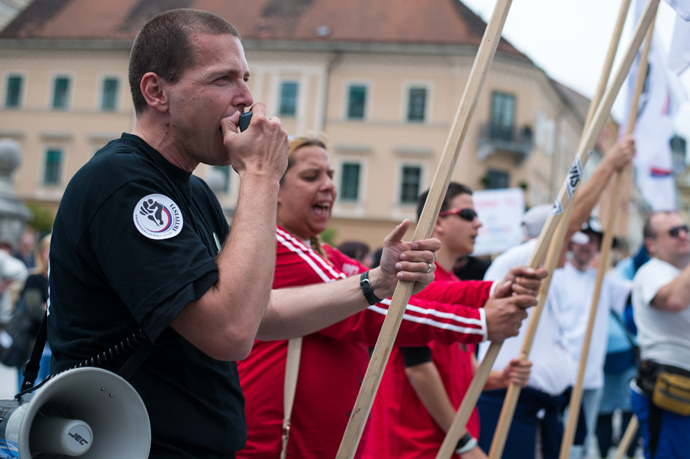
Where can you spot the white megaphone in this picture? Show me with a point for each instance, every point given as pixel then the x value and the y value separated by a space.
pixel 86 412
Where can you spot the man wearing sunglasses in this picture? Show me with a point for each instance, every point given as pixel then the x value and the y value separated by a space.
pixel 423 386
pixel 661 295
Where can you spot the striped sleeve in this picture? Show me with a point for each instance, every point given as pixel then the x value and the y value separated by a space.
pixel 470 293
pixel 425 320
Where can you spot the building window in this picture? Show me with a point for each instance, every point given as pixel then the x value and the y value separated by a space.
pixel 349 183
pixel 502 116
pixel 496 179
pixel 110 90
pixel 356 102
pixel 411 180
pixel 288 98
pixel 416 105
pixel 225 173
pixel 60 93
pixel 51 175
pixel 13 96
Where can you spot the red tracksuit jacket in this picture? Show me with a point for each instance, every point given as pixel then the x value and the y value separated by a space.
pixel 334 360
pixel 400 426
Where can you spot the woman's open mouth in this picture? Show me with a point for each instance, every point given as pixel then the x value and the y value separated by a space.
pixel 322 208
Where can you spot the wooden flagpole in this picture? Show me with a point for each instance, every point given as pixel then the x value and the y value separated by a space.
pixel 469 401
pixel 379 358
pixel 576 396
pixel 623 446
pixel 586 143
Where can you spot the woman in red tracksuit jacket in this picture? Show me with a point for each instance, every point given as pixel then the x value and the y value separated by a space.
pixel 333 360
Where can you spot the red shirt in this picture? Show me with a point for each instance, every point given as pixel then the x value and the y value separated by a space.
pixel 400 426
pixel 334 360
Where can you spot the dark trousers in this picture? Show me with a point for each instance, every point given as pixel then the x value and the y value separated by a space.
pixel 605 434
pixel 522 436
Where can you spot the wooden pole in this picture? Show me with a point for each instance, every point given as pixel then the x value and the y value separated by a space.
pixel 623 446
pixel 586 143
pixel 457 428
pixel 384 344
pixel 513 392
pixel 576 396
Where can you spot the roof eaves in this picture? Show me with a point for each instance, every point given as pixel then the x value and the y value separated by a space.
pixel 372 48
pixel 23 43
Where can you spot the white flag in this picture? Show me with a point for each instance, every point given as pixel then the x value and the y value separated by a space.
pixel 659 102
pixel 682 7
pixel 679 53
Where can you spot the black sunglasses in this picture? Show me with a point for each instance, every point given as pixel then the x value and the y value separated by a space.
pixel 465 214
pixel 675 231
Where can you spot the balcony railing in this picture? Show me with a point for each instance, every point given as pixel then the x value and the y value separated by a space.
pixel 494 138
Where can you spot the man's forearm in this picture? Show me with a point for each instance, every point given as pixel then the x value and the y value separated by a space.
pixel 616 159
pixel 588 195
pixel 224 321
pixel 428 385
pixel 247 263
pixel 496 380
pixel 674 296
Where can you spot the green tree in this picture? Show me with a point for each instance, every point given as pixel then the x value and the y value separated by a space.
pixel 43 218
pixel 328 236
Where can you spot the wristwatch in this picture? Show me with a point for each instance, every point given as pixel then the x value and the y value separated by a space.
pixel 466 443
pixel 367 290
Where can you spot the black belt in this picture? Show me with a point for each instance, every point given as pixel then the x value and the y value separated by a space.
pixel 649 371
pixel 646 379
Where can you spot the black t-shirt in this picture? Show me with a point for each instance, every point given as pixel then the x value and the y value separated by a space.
pixel 474 269
pixel 134 241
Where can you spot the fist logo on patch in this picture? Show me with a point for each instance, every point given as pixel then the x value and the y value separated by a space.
pixel 153 210
pixel 156 216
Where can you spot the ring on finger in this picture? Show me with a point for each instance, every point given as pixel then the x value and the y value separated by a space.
pixel 429 269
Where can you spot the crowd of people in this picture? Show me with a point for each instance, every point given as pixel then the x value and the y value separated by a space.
pixel 24 290
pixel 244 320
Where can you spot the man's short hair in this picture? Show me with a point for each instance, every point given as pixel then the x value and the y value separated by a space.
pixel 454 189
pixel 163 47
pixel 647 231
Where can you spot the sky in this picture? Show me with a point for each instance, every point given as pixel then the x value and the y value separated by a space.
pixel 569 41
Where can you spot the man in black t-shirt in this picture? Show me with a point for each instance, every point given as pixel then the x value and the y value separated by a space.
pixel 139 242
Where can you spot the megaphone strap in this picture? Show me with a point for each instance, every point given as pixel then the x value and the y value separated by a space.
pixel 137 342
pixel 139 357
pixel 34 364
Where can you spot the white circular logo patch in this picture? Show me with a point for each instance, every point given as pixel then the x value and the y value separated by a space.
pixel 158 217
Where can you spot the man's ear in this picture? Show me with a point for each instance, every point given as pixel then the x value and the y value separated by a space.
pixel 153 89
pixel 438 228
pixel 649 245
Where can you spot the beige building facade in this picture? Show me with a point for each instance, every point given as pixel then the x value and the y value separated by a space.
pixel 385 107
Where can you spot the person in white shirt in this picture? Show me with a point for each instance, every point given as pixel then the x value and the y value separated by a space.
pixel 548 389
pixel 571 292
pixel 661 296
pixel 12 272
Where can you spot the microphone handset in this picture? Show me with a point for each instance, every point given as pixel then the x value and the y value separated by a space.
pixel 245 118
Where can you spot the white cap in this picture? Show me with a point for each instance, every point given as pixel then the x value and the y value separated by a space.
pixel 579 238
pixel 534 219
